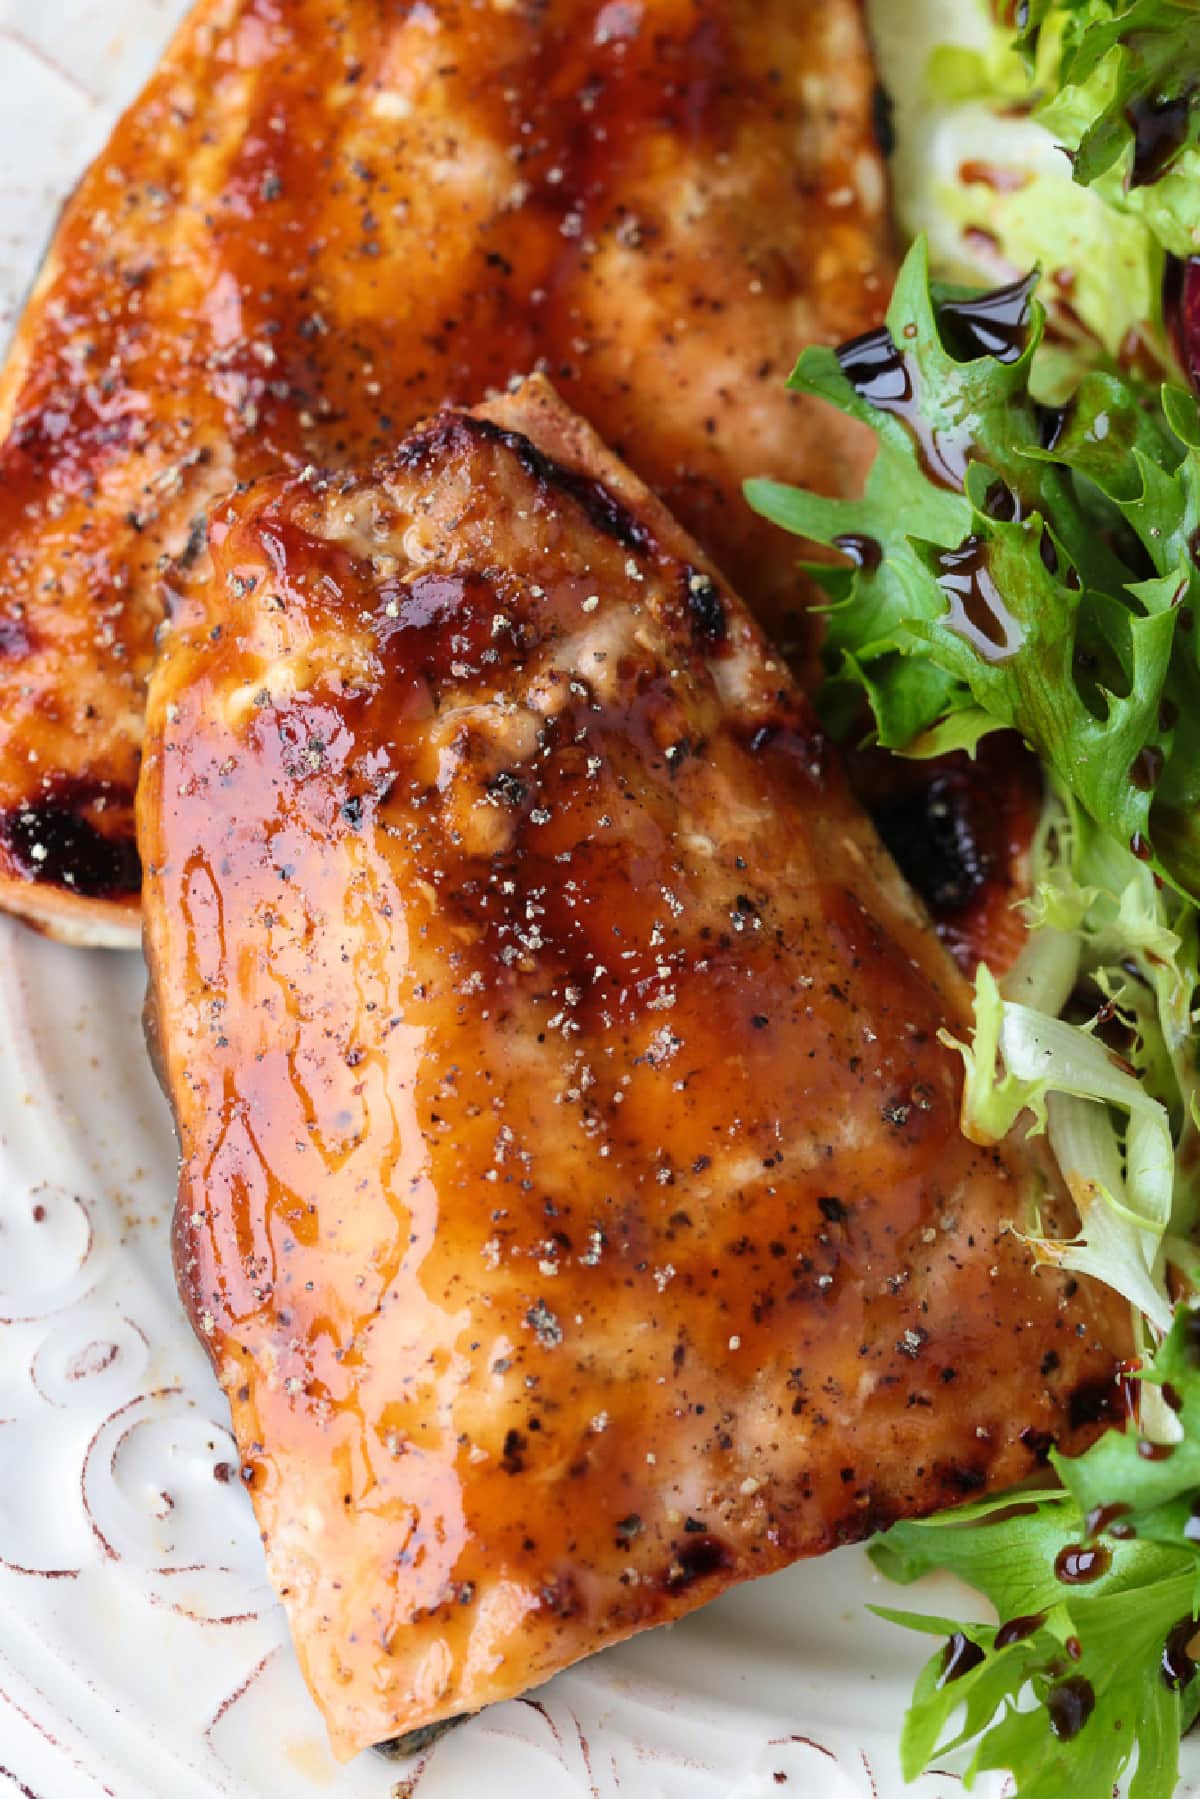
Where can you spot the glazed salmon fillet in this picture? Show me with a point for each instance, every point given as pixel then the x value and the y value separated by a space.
pixel 320 222
pixel 572 1200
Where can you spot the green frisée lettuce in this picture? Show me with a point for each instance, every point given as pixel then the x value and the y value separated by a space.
pixel 1050 590
pixel 979 173
pixel 1119 86
pixel 1104 934
pixel 1083 1682
pixel 1035 570
pixel 1023 1061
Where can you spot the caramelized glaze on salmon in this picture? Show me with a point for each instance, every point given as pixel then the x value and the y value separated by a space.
pixel 319 222
pixel 573 1201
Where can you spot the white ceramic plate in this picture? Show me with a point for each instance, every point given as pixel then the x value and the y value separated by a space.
pixel 141 1653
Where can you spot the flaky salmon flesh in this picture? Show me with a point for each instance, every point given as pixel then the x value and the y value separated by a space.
pixel 573 1200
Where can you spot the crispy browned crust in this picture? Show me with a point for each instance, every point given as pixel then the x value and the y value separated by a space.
pixel 316 225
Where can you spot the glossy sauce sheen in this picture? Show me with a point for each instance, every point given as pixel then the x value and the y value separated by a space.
pixel 573 1199
pixel 319 223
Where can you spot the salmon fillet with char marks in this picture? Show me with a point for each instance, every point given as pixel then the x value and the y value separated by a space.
pixel 573 1201
pixel 321 221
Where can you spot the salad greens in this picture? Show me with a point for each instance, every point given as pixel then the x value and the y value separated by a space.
pixel 1122 93
pixel 1122 1130
pixel 1022 150
pixel 1069 615
pixel 1031 567
pixel 1037 572
pixel 1023 569
pixel 1036 569
pixel 1093 1664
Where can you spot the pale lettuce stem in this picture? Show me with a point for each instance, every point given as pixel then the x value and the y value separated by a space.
pixel 1044 974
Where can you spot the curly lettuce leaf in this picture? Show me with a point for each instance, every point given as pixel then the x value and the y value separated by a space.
pixel 1119 1093
pixel 1082 1685
pixel 1026 1061
pixel 991 187
pixel 1124 98
pixel 1036 570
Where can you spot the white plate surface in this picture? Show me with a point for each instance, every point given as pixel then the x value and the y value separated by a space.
pixel 141 1653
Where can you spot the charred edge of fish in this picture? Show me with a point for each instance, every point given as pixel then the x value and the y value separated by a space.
pixel 695 1560
pixel 1095 1402
pixel 602 507
pixel 53 841
pixel 416 1742
pixel 706 609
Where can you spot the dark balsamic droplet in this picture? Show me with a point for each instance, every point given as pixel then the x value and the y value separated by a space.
pixel 1070 1704
pixel 958 1658
pixel 865 552
pixel 1146 767
pixel 883 375
pixel 1140 847
pixel 1160 130
pixel 1017 1629
pixel 1079 1563
pixel 1102 1517
pixel 876 369
pixel 993 324
pixel 1178 1666
pixel 976 606
pixel 1154 1452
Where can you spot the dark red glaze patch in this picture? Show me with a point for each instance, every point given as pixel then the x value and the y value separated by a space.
pixel 1181 309
pixel 75 837
pixel 960 832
